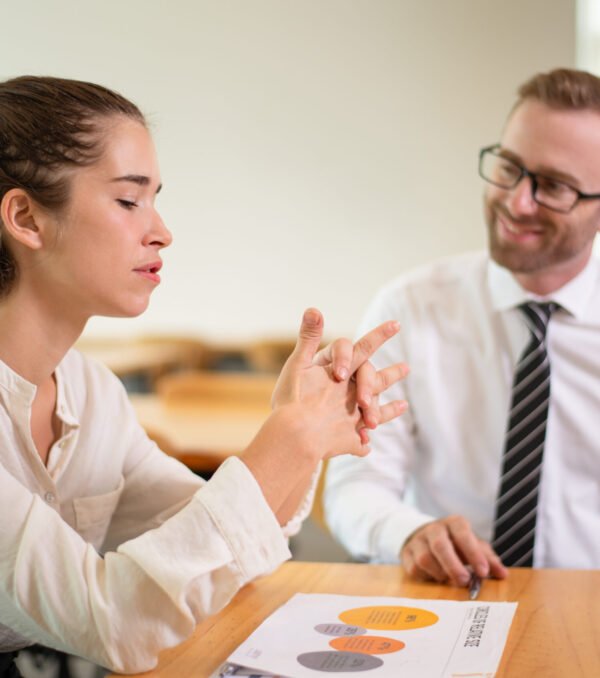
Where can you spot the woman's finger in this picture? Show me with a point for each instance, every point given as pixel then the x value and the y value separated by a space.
pixel 388 376
pixel 309 338
pixel 367 345
pixel 391 410
pixel 337 355
pixel 365 382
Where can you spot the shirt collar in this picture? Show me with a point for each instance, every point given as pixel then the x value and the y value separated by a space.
pixel 25 391
pixel 575 296
pixel 16 385
pixel 64 399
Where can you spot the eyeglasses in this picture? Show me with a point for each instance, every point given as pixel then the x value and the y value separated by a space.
pixel 499 170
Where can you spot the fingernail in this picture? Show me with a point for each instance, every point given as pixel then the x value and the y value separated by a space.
pixel 365 400
pixel 394 327
pixel 463 579
pixel 342 373
pixel 311 317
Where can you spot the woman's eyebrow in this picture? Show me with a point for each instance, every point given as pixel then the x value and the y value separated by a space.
pixel 139 179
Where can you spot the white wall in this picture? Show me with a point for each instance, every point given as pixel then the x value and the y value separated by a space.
pixel 310 150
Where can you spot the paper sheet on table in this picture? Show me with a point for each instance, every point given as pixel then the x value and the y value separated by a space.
pixel 313 634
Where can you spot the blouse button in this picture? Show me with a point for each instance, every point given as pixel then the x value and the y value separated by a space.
pixel 50 497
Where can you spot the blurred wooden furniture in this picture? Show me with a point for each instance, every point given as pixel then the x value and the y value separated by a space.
pixel 151 355
pixel 200 435
pixel 201 418
pixel 318 510
pixel 192 353
pixel 240 388
pixel 269 355
pixel 555 631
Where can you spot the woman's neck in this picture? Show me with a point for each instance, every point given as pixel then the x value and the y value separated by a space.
pixel 34 337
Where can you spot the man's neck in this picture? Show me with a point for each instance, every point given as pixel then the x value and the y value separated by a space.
pixel 546 281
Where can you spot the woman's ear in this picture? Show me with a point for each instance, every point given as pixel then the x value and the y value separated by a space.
pixel 22 218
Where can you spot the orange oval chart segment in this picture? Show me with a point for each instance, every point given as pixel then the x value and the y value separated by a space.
pixel 367 644
pixel 389 617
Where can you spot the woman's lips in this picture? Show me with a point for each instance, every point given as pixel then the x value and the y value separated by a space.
pixel 150 271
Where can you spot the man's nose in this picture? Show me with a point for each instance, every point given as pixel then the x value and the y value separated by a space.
pixel 520 198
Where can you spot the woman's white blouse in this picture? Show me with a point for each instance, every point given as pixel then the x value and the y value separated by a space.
pixel 175 548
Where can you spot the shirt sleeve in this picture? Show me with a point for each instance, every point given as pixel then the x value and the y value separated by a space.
pixel 157 486
pixel 365 497
pixel 120 610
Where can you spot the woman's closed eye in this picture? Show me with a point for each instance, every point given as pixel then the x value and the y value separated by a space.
pixel 127 204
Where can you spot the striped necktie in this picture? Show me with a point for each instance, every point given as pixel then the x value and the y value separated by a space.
pixel 516 506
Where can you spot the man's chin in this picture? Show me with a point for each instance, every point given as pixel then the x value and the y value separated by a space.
pixel 515 260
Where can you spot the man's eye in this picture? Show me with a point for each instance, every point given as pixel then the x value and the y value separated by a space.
pixel 127 204
pixel 508 169
pixel 552 187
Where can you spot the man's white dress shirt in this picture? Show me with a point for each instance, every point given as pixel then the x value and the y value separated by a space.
pixel 462 336
pixel 176 548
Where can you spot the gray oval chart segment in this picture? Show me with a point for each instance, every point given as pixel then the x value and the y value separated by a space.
pixel 337 629
pixel 339 662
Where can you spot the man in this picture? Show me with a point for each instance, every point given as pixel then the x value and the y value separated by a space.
pixel 498 460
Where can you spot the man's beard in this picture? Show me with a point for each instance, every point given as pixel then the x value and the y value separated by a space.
pixel 522 259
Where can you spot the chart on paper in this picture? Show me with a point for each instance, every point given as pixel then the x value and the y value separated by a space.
pixel 316 634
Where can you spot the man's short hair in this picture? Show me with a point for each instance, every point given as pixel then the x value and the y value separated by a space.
pixel 563 88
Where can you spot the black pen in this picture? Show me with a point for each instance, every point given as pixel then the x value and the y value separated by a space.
pixel 474 586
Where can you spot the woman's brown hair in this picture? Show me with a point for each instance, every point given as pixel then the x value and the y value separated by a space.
pixel 47 126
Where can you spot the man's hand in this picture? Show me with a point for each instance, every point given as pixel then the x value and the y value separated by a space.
pixel 443 549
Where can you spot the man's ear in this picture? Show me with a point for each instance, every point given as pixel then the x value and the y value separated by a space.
pixel 21 217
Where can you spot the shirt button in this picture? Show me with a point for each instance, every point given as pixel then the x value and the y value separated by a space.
pixel 50 497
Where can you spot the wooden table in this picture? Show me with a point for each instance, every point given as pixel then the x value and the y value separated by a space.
pixel 555 632
pixel 200 434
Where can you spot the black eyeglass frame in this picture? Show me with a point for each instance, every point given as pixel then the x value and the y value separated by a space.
pixel 524 172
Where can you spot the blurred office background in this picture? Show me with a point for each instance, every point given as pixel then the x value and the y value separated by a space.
pixel 310 149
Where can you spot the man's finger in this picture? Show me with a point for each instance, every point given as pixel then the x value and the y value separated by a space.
pixel 309 337
pixel 367 345
pixel 443 548
pixel 469 546
pixel 425 562
pixel 497 569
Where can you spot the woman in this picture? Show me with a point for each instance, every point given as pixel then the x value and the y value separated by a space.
pixel 80 236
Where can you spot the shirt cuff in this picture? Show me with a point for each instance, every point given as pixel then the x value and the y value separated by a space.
pixel 393 533
pixel 235 502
